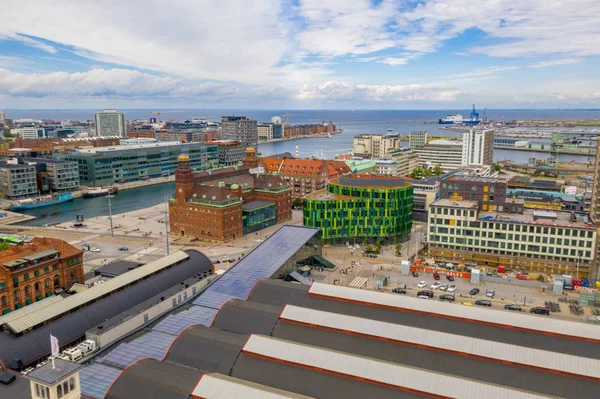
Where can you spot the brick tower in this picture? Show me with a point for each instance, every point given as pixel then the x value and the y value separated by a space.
pixel 251 159
pixel 184 179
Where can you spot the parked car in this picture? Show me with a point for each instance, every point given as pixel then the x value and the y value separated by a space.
pixel 426 293
pixel 512 307
pixel 435 285
pixel 483 302
pixel 452 288
pixel 474 291
pixel 399 291
pixel 94 249
pixel 490 293
pixel 422 297
pixel 540 310
pixel 422 284
pixel 447 298
pixel 449 277
pixel 415 274
pixel 123 249
pixel 436 276
pixel 444 287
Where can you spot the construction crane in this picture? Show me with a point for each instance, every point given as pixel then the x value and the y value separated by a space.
pixel 287 117
pixel 157 113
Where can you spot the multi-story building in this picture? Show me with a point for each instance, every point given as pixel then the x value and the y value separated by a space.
pixel 278 130
pixel 239 128
pixel 446 153
pixel 543 241
pixel 377 145
pixel 425 192
pixel 224 204
pixel 478 147
pixel 230 152
pixel 265 131
pixel 595 194
pixel 35 270
pixel 386 167
pixel 2 119
pixel 490 193
pixel 417 140
pixel 32 133
pixel 17 181
pixel 372 209
pixel 55 175
pixel 304 176
pixel 105 166
pixel 110 123
pixel 406 160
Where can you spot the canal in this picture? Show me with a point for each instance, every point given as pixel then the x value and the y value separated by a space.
pixel 124 201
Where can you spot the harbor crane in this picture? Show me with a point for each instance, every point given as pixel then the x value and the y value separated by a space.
pixel 287 117
pixel 158 113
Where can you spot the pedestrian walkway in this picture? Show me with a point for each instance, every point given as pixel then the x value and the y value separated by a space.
pixel 359 282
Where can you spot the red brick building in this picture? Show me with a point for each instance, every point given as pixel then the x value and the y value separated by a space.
pixel 224 204
pixel 33 271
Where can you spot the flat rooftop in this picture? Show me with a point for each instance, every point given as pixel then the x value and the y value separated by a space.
pixel 251 205
pixel 130 147
pixel 324 195
pixel 475 179
pixel 563 219
pixel 117 268
pixel 450 203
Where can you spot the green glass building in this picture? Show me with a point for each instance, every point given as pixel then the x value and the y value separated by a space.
pixel 372 209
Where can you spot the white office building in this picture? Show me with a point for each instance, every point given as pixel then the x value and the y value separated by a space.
pixel 111 123
pixel 377 145
pixel 31 133
pixel 478 147
pixel 446 153
pixel 417 140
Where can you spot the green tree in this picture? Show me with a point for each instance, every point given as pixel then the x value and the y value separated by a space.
pixel 437 170
pixel 398 249
pixel 3 246
pixel 7 134
pixel 417 173
pixel 297 203
pixel 496 167
pixel 369 249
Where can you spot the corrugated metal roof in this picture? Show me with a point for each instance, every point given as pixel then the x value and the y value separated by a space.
pixel 513 319
pixel 379 371
pixel 435 339
pixel 56 309
pixel 219 386
pixel 34 307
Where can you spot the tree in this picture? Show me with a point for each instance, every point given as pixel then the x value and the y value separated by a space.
pixel 297 203
pixel 3 246
pixel 417 173
pixel 398 249
pixel 437 170
pixel 7 134
pixel 496 167
pixel 369 249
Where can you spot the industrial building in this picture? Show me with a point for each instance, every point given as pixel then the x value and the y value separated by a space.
pixel 225 204
pixel 105 166
pixel 365 208
pixel 110 123
pixel 536 240
pixel 239 128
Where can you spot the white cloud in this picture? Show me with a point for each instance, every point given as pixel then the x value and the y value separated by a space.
pixel 394 61
pixel 28 41
pixel 565 61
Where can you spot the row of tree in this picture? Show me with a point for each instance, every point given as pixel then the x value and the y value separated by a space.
pixel 420 172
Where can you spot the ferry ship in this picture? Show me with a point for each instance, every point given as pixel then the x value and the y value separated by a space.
pixel 459 120
pixel 93 192
pixel 43 200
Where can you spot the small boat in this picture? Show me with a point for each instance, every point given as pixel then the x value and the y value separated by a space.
pixel 45 200
pixel 93 192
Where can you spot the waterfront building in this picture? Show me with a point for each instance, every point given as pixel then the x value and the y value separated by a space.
pixel 224 204
pixel 478 147
pixel 447 154
pixel 376 145
pixel 278 130
pixel 308 130
pixel 372 209
pixel 36 270
pixel 105 166
pixel 230 152
pixel 595 194
pixel 31 133
pixel 239 128
pixel 417 140
pixel 488 192
pixel 406 160
pixel 55 175
pixel 110 123
pixel 265 131
pixel 542 241
pixel 17 181
pixel 509 142
pixel 425 192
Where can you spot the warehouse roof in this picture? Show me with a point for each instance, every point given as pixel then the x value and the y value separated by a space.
pixel 31 320
pixel 219 386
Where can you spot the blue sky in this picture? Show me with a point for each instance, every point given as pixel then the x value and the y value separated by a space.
pixel 371 54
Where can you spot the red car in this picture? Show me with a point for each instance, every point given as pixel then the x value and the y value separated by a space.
pixel 436 276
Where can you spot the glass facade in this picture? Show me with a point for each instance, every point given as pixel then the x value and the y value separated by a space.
pixel 259 218
pixel 371 213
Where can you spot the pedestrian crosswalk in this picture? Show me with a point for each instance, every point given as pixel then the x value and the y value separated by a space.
pixel 359 282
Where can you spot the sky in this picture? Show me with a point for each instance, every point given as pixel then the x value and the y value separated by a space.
pixel 300 54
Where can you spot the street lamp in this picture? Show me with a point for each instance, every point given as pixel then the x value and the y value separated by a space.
pixel 109 196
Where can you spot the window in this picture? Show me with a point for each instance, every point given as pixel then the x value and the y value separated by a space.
pixel 16 295
pixel 3 301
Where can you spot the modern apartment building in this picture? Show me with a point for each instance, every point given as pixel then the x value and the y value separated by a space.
pixel 265 131
pixel 35 270
pixel 240 129
pixel 417 140
pixel 406 160
pixel 543 241
pixel 105 166
pixel 110 123
pixel 376 145
pixel 490 193
pixel 386 167
pixel 230 152
pixel 55 175
pixel 33 133
pixel 17 181
pixel 478 147
pixel 446 153
pixel 224 204
pixel 369 209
